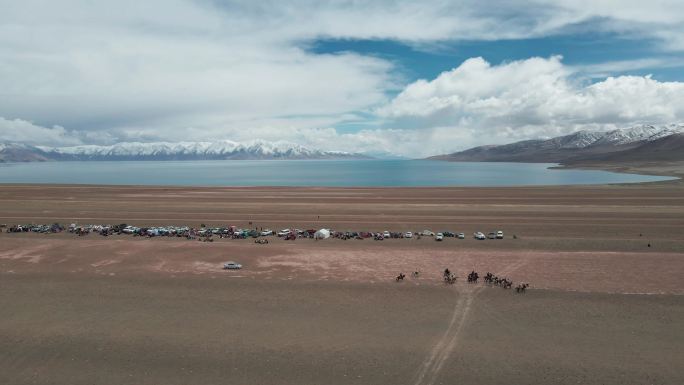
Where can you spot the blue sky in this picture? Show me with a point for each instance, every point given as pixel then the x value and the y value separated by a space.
pixel 381 77
pixel 578 49
pixel 590 52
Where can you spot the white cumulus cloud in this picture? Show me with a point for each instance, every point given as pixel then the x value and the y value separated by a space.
pixel 236 69
pixel 536 97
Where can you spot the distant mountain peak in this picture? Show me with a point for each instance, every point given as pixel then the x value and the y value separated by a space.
pixel 224 149
pixel 575 146
pixel 583 139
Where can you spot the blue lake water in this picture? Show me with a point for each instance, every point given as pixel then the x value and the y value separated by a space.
pixel 308 173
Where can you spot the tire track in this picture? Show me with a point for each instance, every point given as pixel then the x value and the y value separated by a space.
pixel 428 372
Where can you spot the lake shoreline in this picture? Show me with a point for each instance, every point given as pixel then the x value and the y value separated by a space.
pixel 327 173
pixel 672 169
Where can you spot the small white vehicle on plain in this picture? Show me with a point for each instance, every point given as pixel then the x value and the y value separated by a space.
pixel 283 232
pixel 479 235
pixel 439 237
pixel 386 234
pixel 408 234
pixel 266 232
pixel 460 235
pixel 427 233
pixel 232 266
pixel 499 234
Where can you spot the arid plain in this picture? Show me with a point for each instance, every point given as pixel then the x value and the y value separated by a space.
pixel 605 306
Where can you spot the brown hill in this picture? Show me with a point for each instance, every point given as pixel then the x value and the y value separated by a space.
pixel 13 152
pixel 640 144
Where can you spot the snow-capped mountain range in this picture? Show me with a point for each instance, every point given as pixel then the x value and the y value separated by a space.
pixel 258 149
pixel 583 139
pixel 581 145
pixel 648 141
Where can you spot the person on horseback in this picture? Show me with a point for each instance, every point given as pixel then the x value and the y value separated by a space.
pixel 447 273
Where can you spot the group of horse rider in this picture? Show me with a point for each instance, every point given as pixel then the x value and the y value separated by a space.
pixel 473 277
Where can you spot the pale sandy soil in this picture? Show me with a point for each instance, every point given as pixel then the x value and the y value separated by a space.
pixel 336 260
pixel 604 308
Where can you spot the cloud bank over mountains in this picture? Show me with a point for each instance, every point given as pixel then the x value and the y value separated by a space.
pixel 81 72
pixel 531 98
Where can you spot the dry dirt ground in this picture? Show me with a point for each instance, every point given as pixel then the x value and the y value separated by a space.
pixel 603 307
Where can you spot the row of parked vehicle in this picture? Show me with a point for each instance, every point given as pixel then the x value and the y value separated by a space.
pixel 54 228
pixel 360 235
pixel 383 235
pixel 237 233
pixel 493 235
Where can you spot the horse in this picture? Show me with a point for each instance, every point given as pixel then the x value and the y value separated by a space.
pixel 415 274
pixel 450 279
pixel 400 277
pixel 521 287
pixel 473 277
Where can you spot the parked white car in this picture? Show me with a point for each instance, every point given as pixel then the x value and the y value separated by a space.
pixel 479 235
pixel 266 232
pixel 129 230
pixel 460 236
pixel 386 234
pixel 232 266
pixel 427 233
pixel 499 234
pixel 283 232
pixel 439 237
pixel 408 234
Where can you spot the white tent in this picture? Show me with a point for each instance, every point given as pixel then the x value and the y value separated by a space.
pixel 322 234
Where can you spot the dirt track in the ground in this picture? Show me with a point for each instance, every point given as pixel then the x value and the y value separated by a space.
pixel 61 328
